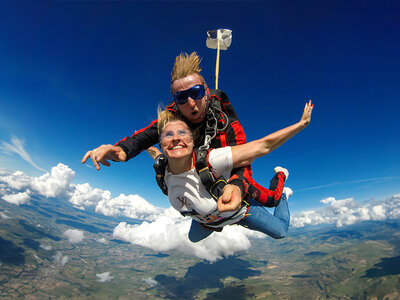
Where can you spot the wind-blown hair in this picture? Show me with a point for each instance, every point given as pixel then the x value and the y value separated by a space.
pixel 186 65
pixel 164 117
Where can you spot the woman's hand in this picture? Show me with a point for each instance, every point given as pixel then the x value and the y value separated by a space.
pixel 231 199
pixel 306 118
pixel 104 153
pixel 153 152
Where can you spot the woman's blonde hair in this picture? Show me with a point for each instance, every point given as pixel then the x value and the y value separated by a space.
pixel 164 117
pixel 185 65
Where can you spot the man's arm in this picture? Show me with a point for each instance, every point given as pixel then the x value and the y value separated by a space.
pixel 140 140
pixel 104 153
pixel 125 149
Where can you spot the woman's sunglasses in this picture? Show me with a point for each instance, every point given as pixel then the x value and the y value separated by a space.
pixel 196 92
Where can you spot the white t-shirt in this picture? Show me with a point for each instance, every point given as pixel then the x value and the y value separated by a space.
pixel 186 193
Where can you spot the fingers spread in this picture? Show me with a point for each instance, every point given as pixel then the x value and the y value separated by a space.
pixel 105 162
pixel 84 159
pixel 95 163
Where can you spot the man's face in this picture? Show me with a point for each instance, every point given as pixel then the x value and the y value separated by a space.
pixel 193 110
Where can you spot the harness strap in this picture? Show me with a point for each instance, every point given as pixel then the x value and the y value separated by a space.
pixel 159 166
pixel 214 186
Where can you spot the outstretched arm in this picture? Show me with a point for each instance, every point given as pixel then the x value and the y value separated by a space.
pixel 245 154
pixel 104 153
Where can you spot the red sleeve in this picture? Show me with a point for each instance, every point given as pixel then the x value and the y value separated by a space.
pixel 140 140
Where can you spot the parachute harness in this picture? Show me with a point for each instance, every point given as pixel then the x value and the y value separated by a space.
pixel 214 186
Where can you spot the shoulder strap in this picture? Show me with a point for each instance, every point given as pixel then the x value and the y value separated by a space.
pixel 213 186
pixel 159 166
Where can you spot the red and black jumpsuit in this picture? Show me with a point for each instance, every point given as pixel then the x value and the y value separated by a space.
pixel 232 135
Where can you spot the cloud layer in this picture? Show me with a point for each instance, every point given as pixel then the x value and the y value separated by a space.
pixel 165 229
pixel 347 212
pixel 169 232
pixel 16 187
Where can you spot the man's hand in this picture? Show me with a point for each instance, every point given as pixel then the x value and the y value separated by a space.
pixel 231 199
pixel 104 153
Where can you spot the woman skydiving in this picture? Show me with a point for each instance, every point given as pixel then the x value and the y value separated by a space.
pixel 188 195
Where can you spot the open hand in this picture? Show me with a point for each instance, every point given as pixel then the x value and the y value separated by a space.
pixel 306 118
pixel 104 153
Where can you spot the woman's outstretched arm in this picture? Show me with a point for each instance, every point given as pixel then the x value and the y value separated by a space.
pixel 245 154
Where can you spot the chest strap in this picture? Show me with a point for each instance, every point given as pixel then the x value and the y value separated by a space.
pixel 214 186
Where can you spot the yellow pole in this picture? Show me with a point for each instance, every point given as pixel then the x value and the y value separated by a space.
pixel 217 64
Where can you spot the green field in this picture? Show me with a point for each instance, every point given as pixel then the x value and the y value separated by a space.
pixel 361 261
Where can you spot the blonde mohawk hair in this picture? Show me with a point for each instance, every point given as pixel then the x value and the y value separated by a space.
pixel 186 65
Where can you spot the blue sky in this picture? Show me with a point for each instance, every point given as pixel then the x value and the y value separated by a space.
pixel 77 74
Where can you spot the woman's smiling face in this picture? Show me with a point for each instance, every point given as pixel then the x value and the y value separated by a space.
pixel 176 141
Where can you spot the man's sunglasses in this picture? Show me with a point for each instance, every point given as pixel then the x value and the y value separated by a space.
pixel 196 92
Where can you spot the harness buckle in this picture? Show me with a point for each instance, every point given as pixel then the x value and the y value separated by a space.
pixel 217 188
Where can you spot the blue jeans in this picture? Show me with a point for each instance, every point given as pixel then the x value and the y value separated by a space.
pixel 258 218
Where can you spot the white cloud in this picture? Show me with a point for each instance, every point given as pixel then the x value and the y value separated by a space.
pixel 102 241
pixel 169 232
pixel 104 277
pixel 74 235
pixel 17 146
pixel 347 211
pixel 17 199
pixel 60 260
pixel 54 184
pixel 132 206
pixel 46 247
pixel 58 183
pixel 151 282
pixel 85 195
pixel 4 216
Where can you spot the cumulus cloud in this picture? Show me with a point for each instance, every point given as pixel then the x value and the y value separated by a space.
pixel 104 277
pixel 348 211
pixel 59 259
pixel 17 199
pixel 74 235
pixel 85 195
pixel 165 229
pixel 102 241
pixel 54 184
pixel 169 232
pixel 17 146
pixel 58 183
pixel 132 206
